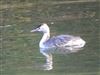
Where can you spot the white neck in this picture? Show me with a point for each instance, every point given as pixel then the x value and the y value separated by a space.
pixel 45 37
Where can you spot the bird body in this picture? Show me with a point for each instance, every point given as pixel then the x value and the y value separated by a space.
pixel 60 41
pixel 64 41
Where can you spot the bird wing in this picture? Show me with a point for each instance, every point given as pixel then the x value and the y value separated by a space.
pixel 58 41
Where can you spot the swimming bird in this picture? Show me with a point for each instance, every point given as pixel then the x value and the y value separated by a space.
pixel 61 41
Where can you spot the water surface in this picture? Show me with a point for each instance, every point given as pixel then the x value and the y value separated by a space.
pixel 19 54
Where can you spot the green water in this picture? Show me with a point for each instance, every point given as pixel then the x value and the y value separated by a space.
pixel 19 54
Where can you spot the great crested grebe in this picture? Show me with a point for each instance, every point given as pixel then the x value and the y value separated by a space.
pixel 60 41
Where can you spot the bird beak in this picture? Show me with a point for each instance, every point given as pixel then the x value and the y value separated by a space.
pixel 34 30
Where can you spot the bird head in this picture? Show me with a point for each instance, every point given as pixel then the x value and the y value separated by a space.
pixel 41 28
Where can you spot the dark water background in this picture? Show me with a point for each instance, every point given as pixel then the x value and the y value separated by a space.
pixel 19 54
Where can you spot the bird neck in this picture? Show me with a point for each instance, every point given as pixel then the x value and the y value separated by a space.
pixel 45 37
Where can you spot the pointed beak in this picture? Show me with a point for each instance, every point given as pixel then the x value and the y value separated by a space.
pixel 34 30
